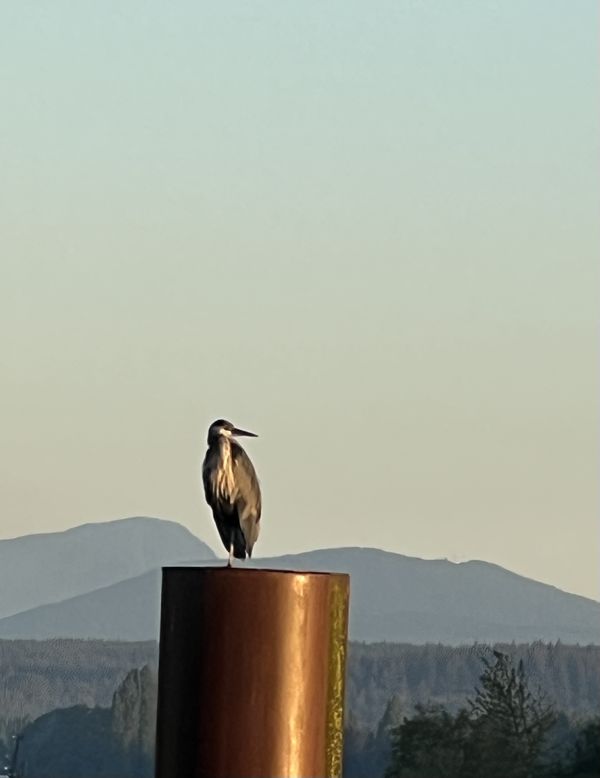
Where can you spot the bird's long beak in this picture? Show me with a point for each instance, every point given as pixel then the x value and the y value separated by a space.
pixel 236 431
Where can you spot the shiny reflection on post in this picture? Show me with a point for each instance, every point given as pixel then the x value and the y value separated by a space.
pixel 251 673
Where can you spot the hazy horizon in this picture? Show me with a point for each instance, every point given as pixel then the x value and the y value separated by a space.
pixel 368 234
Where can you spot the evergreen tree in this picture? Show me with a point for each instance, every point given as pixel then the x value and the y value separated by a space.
pixel 355 741
pixel 501 735
pixel 509 722
pixel 586 759
pixel 378 745
pixel 133 717
pixel 432 744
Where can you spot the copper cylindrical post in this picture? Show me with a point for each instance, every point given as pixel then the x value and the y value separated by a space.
pixel 251 673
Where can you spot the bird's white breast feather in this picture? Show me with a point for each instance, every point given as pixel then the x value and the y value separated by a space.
pixel 226 489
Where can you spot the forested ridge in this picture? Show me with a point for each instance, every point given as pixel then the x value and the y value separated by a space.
pixel 39 676
pixel 569 675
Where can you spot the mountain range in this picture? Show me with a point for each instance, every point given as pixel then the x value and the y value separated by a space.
pixel 54 566
pixel 103 581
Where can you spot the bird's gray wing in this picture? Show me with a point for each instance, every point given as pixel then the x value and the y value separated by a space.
pixel 209 469
pixel 221 509
pixel 248 499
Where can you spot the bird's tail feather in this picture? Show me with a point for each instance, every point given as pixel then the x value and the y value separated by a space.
pixel 239 544
pixel 250 528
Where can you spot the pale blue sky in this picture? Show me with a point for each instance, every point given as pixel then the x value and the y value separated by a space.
pixel 367 231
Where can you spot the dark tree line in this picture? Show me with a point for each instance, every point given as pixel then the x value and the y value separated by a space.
pixel 507 728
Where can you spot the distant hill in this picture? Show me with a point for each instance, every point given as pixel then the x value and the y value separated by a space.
pixel 46 568
pixel 129 609
pixel 405 599
pixel 394 598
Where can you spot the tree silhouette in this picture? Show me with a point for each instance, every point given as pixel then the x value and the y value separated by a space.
pixel 500 735
pixel 509 721
pixel 432 744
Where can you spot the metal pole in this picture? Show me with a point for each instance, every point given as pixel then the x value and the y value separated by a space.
pixel 251 673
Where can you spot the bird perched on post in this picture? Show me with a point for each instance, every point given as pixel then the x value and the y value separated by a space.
pixel 231 488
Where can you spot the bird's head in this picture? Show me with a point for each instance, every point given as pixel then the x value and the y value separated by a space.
pixel 225 429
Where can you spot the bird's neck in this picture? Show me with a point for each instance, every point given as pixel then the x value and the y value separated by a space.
pixel 217 440
pixel 224 445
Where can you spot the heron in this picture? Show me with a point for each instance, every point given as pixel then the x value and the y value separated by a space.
pixel 231 489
